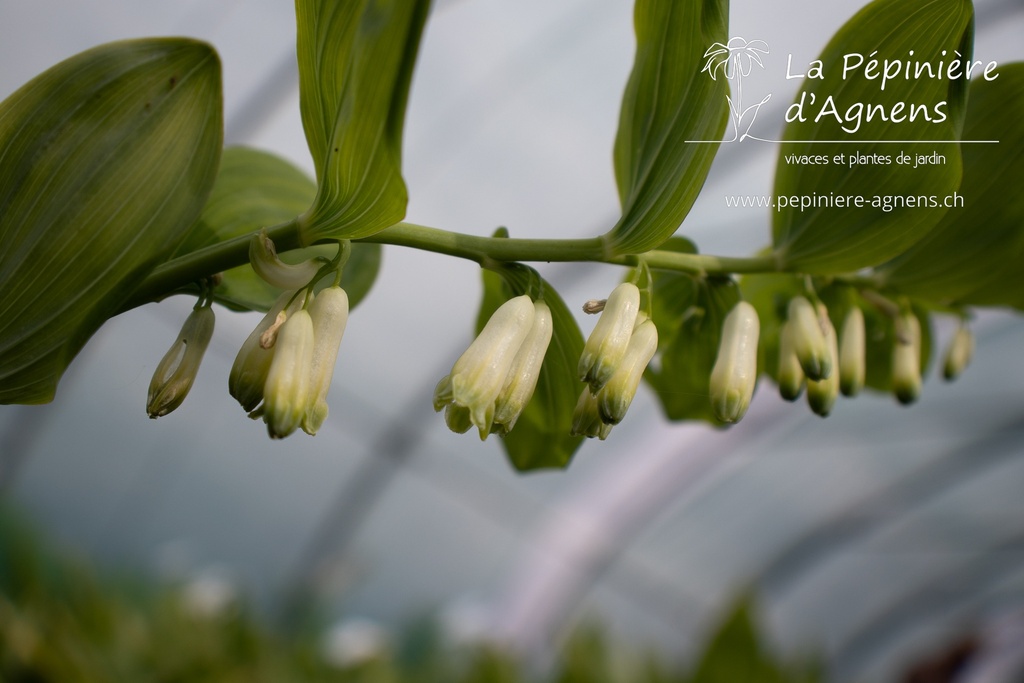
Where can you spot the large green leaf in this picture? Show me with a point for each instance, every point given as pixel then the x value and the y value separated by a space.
pixel 668 104
pixel 974 254
pixel 256 189
pixel 106 160
pixel 356 59
pixel 688 312
pixel 541 436
pixel 821 238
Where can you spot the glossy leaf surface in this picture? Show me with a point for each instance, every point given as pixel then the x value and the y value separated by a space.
pixel 820 238
pixel 106 159
pixel 356 59
pixel 669 104
pixel 974 254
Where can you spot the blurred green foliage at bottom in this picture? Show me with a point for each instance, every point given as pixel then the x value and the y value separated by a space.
pixel 60 623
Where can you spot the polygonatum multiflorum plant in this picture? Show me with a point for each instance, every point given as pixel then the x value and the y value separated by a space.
pixel 115 192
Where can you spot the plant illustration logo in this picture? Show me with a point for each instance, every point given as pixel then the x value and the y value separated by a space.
pixel 736 61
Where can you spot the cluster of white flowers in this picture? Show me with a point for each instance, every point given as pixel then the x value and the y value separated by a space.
pixel 810 349
pixel 617 352
pixel 491 383
pixel 284 369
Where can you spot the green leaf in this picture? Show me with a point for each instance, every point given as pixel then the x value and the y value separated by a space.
pixel 106 159
pixel 541 436
pixel 974 254
pixel 669 102
pixel 356 59
pixel 827 239
pixel 735 653
pixel 688 312
pixel 256 189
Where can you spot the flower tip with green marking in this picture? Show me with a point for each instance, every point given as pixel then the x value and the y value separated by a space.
pixel 852 353
pixel 809 342
pixel 735 371
pixel 287 393
pixel 607 343
pixel 906 359
pixel 482 371
pixel 614 399
pixel 176 371
pixel 959 353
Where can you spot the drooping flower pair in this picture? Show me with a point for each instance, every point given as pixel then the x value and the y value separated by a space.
pixel 613 361
pixel 284 369
pixel 491 383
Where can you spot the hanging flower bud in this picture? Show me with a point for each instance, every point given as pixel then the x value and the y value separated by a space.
pixel 790 374
pixel 735 371
pixel 586 418
pixel 958 356
pixel 249 371
pixel 264 260
pixel 906 359
pixel 852 353
pixel 177 370
pixel 821 394
pixel 522 377
pixel 614 398
pixel 809 338
pixel 478 376
pixel 607 343
pixel 329 312
pixel 287 393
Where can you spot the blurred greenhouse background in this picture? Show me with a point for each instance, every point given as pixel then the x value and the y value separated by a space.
pixel 873 540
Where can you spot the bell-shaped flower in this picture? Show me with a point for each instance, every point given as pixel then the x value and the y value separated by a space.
pixel 614 398
pixel 735 371
pixel 906 359
pixel 329 312
pixel 177 370
pixel 265 261
pixel 809 342
pixel 959 353
pixel 852 353
pixel 790 375
pixel 586 418
pixel 607 344
pixel 524 373
pixel 287 395
pixel 821 394
pixel 478 376
pixel 249 372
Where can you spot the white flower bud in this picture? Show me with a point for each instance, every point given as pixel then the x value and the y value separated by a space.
pixel 790 374
pixel 264 260
pixel 735 372
pixel 958 356
pixel 906 359
pixel 287 394
pixel 821 394
pixel 607 343
pixel 586 418
pixel 522 377
pixel 614 398
pixel 852 353
pixel 809 340
pixel 249 371
pixel 177 370
pixel 329 312
pixel 479 374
